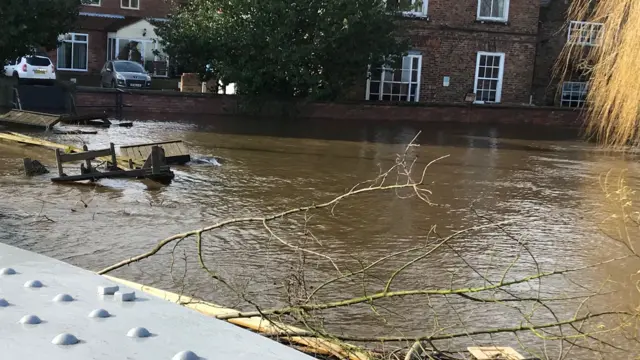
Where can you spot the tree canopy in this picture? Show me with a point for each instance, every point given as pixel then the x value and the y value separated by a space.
pixel 280 48
pixel 25 25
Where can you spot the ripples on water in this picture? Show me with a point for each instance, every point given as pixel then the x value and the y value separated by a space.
pixel 547 184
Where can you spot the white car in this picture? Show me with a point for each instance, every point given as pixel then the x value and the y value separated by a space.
pixel 31 67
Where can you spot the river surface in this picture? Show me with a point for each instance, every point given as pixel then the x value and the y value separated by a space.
pixel 544 181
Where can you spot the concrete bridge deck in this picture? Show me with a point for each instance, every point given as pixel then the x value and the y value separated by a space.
pixel 56 311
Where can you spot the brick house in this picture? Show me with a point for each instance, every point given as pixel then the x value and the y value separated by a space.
pixel 112 29
pixel 501 50
pixel 487 47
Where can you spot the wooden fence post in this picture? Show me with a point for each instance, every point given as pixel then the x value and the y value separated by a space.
pixel 114 162
pixel 155 160
pixel 87 161
pixel 28 168
pixel 59 163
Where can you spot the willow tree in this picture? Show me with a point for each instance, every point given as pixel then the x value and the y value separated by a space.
pixel 283 49
pixel 28 25
pixel 612 67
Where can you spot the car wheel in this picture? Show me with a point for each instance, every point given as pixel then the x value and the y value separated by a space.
pixel 19 81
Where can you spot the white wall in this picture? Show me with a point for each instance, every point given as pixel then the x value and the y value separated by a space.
pixel 134 31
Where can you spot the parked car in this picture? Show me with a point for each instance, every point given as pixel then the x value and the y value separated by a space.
pixel 124 74
pixel 32 68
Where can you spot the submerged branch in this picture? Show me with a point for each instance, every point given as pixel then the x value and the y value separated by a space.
pixel 449 336
pixel 483 331
pixel 406 293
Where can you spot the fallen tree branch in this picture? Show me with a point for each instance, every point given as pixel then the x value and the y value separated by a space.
pixel 415 186
pixel 515 329
pixel 405 293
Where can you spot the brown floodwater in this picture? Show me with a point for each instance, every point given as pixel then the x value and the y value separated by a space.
pixel 544 181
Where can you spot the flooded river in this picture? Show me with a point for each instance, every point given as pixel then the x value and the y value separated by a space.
pixel 544 181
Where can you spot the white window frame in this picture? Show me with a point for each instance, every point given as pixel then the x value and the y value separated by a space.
pixel 579 101
pixel 500 76
pixel 74 41
pixel 130 7
pixel 505 18
pixel 584 26
pixel 422 13
pixel 97 5
pixel 384 69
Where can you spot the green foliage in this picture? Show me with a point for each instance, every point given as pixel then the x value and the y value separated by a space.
pixel 283 49
pixel 27 24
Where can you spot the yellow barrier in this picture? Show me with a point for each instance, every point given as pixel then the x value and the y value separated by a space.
pixel 28 140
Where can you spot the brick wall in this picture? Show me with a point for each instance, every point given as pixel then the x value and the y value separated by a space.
pixel 148 8
pixel 97 54
pixel 451 37
pixel 523 16
pixel 551 39
pixel 454 54
pixel 158 104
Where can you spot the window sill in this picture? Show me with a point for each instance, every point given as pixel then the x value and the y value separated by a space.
pixel 582 44
pixel 410 15
pixel 414 15
pixel 478 102
pixel 129 8
pixel 504 22
pixel 92 5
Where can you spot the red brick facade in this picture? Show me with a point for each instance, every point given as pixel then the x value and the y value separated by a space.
pixel 148 8
pixel 98 20
pixel 449 38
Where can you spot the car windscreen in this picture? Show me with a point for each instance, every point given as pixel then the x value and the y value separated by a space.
pixel 128 67
pixel 38 61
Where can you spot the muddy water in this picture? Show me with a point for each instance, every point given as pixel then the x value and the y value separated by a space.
pixel 544 181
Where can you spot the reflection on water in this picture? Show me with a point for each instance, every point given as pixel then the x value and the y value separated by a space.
pixel 544 180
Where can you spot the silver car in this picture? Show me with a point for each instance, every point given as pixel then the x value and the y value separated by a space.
pixel 124 74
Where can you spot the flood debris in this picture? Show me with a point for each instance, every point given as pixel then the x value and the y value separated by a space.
pixel 176 151
pixel 47 120
pixel 34 167
pixel 30 118
pixel 143 161
pixel 207 161
pixel 494 352
pixel 154 168
pixel 99 120
pixel 29 140
pixel 74 132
